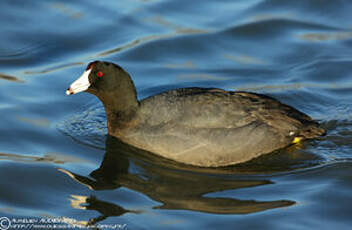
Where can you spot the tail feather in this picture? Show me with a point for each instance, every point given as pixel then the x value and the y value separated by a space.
pixel 311 132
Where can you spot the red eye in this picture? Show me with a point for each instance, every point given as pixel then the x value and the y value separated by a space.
pixel 100 74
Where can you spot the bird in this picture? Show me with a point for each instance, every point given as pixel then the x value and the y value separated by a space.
pixel 202 127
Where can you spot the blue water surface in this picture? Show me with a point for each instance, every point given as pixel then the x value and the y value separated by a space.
pixel 56 160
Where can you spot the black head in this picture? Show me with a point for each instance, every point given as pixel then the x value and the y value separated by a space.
pixel 114 87
pixel 101 78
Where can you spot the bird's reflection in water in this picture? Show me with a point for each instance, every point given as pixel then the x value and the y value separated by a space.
pixel 175 186
pixel 105 209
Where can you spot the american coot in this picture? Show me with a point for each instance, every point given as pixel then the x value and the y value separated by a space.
pixel 206 127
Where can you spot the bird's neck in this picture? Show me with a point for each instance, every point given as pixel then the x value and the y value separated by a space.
pixel 121 107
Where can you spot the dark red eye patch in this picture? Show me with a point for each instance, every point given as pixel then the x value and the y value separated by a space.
pixel 90 65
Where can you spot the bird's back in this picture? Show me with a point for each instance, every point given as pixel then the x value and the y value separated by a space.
pixel 214 127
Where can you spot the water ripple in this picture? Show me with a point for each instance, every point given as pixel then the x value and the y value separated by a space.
pixel 87 127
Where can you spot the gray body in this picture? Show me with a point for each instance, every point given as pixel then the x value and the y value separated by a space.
pixel 213 127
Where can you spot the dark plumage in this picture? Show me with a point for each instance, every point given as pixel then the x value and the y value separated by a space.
pixel 206 127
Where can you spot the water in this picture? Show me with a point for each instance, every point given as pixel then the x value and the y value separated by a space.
pixel 57 162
